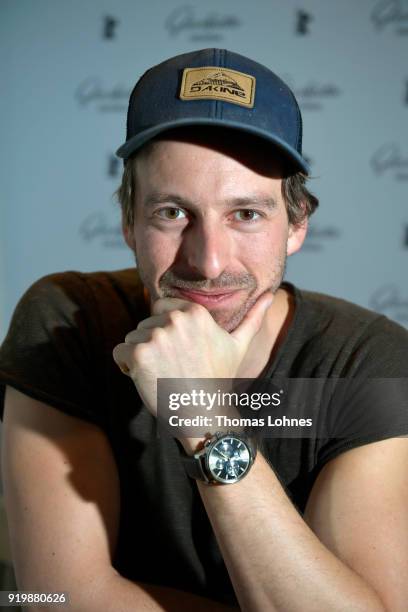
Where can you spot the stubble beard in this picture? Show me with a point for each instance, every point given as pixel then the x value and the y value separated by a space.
pixel 231 320
pixel 223 317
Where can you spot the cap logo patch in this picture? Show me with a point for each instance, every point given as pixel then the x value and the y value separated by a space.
pixel 215 83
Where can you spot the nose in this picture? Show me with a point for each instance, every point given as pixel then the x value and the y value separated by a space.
pixel 206 248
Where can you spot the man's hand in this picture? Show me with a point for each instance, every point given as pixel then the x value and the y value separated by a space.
pixel 182 340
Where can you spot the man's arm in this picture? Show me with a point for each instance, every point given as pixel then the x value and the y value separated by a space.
pixel 354 554
pixel 275 560
pixel 62 498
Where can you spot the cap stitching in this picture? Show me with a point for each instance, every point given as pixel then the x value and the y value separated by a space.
pixel 218 104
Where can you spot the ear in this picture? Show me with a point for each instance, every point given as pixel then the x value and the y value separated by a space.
pixel 296 237
pixel 128 235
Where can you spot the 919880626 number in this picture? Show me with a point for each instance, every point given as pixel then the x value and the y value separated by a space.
pixel 18 598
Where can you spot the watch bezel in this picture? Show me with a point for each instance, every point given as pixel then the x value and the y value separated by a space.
pixel 213 442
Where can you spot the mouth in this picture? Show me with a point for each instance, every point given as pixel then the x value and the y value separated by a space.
pixel 208 298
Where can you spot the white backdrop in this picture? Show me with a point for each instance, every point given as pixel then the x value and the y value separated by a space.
pixel 68 67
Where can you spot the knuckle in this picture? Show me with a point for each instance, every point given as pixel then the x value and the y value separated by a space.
pixel 139 352
pixel 158 334
pixel 175 316
pixel 129 338
pixel 158 306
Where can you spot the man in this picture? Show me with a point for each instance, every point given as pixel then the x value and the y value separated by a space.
pixel 99 506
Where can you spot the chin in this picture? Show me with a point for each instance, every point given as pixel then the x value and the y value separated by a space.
pixel 230 320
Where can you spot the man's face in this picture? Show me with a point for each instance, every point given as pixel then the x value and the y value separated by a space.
pixel 210 225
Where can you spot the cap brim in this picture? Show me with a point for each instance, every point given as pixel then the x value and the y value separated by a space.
pixel 137 141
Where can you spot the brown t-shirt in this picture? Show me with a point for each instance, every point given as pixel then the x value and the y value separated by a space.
pixel 59 350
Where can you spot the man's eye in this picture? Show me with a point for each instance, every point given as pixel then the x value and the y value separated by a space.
pixel 247 214
pixel 171 213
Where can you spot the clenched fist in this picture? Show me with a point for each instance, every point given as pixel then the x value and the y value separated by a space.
pixel 182 340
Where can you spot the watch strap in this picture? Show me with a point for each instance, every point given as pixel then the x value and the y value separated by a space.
pixel 194 467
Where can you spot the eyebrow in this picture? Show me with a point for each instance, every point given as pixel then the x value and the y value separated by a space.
pixel 166 198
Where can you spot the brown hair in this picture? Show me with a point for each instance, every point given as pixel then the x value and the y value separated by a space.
pixel 300 202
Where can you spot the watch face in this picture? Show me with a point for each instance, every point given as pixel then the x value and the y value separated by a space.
pixel 229 459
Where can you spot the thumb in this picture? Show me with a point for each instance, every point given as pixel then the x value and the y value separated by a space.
pixel 252 321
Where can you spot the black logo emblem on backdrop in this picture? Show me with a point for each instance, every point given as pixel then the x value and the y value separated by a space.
pixel 318 236
pixel 388 300
pixel 303 20
pixel 211 26
pixel 313 95
pixel 113 166
pixel 309 160
pixel 92 92
pixel 389 159
pixel 405 242
pixel 109 27
pixel 391 13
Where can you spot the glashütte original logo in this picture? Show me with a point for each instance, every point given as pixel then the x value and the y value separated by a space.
pixel 389 301
pixel 391 13
pixel 185 19
pixel 96 227
pixel 211 82
pixel 318 236
pixel 389 158
pixel 312 95
pixel 92 92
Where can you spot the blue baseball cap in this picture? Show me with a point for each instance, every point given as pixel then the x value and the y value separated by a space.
pixel 215 87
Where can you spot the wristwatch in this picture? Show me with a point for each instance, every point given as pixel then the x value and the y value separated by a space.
pixel 225 459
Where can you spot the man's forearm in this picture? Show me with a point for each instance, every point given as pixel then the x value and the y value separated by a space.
pixel 113 593
pixel 274 559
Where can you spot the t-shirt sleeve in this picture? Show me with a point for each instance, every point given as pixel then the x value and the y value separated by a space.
pixel 51 351
pixel 371 402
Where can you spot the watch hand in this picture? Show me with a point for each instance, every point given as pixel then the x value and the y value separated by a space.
pixel 221 453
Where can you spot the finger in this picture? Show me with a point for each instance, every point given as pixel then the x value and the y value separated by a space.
pixel 139 335
pixel 159 320
pixel 252 321
pixel 150 322
pixel 122 356
pixel 163 305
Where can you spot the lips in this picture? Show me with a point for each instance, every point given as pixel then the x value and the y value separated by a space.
pixel 208 298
